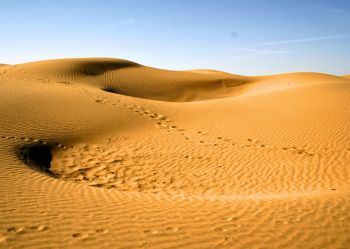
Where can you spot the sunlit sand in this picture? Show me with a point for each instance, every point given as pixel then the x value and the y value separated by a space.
pixel 108 153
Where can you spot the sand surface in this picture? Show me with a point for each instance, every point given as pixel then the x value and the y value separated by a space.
pixel 107 153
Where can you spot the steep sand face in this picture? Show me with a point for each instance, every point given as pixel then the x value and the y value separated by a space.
pixel 107 153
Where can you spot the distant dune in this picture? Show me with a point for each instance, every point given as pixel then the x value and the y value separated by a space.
pixel 108 153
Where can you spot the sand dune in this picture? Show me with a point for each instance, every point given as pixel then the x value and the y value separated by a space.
pixel 108 153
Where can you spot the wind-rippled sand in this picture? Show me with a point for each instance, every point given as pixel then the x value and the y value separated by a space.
pixel 107 153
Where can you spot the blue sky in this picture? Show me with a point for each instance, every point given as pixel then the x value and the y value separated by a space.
pixel 251 37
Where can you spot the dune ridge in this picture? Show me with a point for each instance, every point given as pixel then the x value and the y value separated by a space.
pixel 109 153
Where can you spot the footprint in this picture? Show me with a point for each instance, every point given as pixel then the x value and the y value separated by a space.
pixel 171 229
pixel 160 119
pixel 101 231
pixel 39 228
pixel 79 235
pixel 220 229
pixel 34 140
pixel 14 229
pixel 22 230
pixel 150 232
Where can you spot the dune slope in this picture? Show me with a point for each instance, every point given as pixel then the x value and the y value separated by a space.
pixel 108 153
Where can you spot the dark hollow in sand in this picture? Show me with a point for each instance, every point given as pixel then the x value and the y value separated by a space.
pixel 37 156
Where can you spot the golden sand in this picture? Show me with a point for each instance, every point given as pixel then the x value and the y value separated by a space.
pixel 108 153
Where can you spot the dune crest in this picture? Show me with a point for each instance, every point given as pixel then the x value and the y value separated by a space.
pixel 108 153
pixel 164 85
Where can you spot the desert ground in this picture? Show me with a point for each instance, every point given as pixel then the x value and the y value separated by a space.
pixel 108 153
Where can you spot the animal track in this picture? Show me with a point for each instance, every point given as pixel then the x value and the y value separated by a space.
pixel 126 167
pixel 80 235
pixel 296 150
pixel 166 230
pixel 163 122
pixel 119 173
pixel 35 141
pixel 29 229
